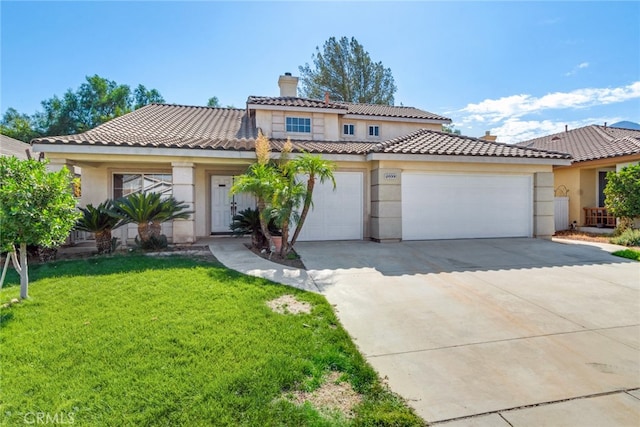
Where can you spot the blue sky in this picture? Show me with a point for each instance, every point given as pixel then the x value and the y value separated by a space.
pixel 518 69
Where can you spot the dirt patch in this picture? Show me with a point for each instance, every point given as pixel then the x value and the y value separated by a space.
pixel 288 304
pixel 333 396
pixel 580 235
pixel 292 261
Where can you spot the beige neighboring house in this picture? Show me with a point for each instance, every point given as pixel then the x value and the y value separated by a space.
pixel 13 147
pixel 398 176
pixel 596 150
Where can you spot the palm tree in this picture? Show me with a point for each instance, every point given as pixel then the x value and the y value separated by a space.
pixel 261 180
pixel 315 167
pixel 100 220
pixel 149 211
pixel 287 197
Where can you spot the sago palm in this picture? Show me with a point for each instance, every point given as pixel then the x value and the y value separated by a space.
pixel 100 220
pixel 149 211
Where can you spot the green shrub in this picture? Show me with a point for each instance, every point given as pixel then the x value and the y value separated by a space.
pixel 153 243
pixel 629 237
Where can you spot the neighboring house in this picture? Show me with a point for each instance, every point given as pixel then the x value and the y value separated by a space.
pixel 398 177
pixel 13 147
pixel 596 150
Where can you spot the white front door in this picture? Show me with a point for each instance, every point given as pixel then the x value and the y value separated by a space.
pixel 225 205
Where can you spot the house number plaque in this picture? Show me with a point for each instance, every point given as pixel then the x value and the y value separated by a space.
pixel 389 176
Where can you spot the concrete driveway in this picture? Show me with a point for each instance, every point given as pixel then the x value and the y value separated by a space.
pixel 492 332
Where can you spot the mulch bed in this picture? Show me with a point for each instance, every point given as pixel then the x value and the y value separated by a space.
pixel 293 261
pixel 580 235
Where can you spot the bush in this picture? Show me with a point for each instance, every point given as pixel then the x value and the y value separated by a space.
pixel 629 237
pixel 153 243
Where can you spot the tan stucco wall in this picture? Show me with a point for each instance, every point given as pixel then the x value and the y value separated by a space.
pixel 328 127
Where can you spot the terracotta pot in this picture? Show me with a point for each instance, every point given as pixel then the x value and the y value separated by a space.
pixel 277 241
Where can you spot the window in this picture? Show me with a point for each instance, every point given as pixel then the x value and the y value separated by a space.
pixel 129 183
pixel 374 131
pixel 348 129
pixel 298 124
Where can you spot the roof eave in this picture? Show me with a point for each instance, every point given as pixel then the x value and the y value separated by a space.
pixel 467 159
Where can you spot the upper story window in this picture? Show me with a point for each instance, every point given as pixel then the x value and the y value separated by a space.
pixel 348 129
pixel 374 130
pixel 298 124
pixel 129 183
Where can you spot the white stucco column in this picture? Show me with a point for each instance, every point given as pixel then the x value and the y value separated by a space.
pixel 184 191
pixel 56 165
pixel 543 205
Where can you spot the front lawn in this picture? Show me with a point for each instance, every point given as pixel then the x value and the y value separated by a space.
pixel 628 253
pixel 136 340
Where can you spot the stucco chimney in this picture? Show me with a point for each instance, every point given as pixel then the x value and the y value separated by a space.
pixel 488 137
pixel 288 85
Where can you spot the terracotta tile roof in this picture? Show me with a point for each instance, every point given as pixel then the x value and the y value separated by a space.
pixel 170 126
pixel 425 141
pixel 352 108
pixel 292 102
pixel 590 142
pixel 178 126
pixel 391 111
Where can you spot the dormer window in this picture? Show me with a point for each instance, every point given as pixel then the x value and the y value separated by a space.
pixel 374 131
pixel 298 124
pixel 348 129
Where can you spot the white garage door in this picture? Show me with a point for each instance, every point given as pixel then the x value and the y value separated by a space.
pixel 436 206
pixel 336 215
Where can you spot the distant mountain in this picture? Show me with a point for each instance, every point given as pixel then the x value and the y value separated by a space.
pixel 626 124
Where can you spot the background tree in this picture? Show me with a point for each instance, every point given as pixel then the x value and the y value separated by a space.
pixel 143 96
pixel 345 70
pixel 17 126
pixel 450 129
pixel 96 101
pixel 213 102
pixel 623 194
pixel 36 208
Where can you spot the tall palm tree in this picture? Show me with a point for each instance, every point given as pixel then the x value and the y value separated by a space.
pixel 261 180
pixel 287 197
pixel 100 220
pixel 314 167
pixel 149 211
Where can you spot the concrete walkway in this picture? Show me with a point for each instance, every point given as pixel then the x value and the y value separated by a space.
pixel 491 332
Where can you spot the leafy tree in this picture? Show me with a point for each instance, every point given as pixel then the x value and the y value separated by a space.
pixel 96 101
pixel 345 70
pixel 450 129
pixel 623 194
pixel 36 208
pixel 143 96
pixel 149 211
pixel 17 126
pixel 100 220
pixel 213 102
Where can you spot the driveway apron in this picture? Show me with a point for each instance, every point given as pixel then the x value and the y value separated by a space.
pixel 493 332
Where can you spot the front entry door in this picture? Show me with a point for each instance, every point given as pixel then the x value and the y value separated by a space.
pixel 224 205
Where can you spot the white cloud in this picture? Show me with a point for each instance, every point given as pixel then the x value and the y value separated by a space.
pixel 580 66
pixel 516 106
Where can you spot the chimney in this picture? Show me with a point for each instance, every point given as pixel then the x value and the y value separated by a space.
pixel 326 98
pixel 566 128
pixel 288 85
pixel 488 137
pixel 605 125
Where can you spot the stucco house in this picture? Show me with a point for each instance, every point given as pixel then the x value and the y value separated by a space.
pixel 398 176
pixel 595 150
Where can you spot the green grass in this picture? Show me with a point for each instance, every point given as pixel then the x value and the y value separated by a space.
pixel 628 253
pixel 145 341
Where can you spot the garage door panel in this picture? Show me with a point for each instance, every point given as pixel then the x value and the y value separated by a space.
pixel 336 215
pixel 465 206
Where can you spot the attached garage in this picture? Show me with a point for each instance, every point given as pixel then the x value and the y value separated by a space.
pixel 336 214
pixel 458 206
